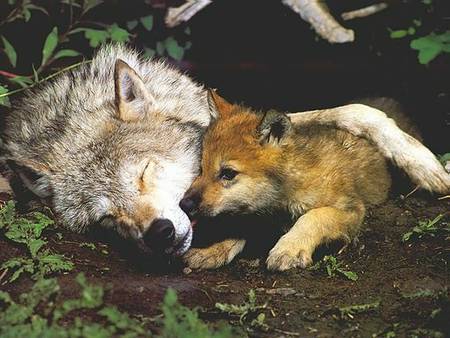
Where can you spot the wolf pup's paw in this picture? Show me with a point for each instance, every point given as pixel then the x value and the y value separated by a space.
pixel 214 256
pixel 286 255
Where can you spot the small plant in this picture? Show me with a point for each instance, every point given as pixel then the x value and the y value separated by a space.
pixel 41 313
pixel 248 312
pixel 431 45
pixel 28 231
pixel 38 313
pixel 350 311
pixel 428 228
pixel 333 268
pixel 180 321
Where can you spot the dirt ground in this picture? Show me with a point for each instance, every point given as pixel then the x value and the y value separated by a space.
pixel 301 303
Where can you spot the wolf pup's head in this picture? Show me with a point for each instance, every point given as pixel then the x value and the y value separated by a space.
pixel 115 143
pixel 241 166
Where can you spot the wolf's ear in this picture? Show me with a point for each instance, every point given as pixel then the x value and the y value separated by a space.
pixel 273 128
pixel 132 97
pixel 217 104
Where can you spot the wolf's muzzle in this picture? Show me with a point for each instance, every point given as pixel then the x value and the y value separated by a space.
pixel 160 235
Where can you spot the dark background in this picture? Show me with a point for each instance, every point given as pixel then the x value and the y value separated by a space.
pixel 261 53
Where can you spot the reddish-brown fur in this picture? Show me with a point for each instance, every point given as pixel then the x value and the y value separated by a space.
pixel 323 176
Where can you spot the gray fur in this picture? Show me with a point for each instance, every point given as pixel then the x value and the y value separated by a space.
pixel 58 130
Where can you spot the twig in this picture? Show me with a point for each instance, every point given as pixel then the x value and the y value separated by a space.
pixel 3 274
pixel 314 12
pixel 363 12
pixel 411 192
pixel 289 333
pixel 444 197
pixel 177 15
pixel 44 79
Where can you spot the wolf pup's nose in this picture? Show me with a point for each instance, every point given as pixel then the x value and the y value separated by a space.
pixel 190 202
pixel 187 204
pixel 161 234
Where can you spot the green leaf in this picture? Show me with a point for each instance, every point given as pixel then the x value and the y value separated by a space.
pixel 118 34
pixel 428 55
pixel 35 245
pixel 132 24
pixel 96 37
pixel 22 81
pixel 63 53
pixel 49 46
pixel 411 31
pixel 26 14
pixel 89 4
pixel 10 52
pixel 4 100
pixel 174 50
pixel 160 48
pixel 431 46
pixel 398 34
pixel 149 52
pixel 350 275
pixel 444 158
pixel 147 22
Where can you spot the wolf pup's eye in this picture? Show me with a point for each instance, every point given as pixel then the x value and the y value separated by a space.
pixel 227 174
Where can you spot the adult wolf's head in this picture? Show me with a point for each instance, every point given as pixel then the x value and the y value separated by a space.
pixel 116 143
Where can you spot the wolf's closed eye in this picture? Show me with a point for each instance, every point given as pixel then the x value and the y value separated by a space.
pixel 145 171
pixel 227 174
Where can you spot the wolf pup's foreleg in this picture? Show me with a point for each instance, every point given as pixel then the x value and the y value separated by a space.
pixel 214 256
pixel 404 150
pixel 317 226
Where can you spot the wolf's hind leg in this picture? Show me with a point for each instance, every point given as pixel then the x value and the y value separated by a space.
pixel 214 256
pixel 317 226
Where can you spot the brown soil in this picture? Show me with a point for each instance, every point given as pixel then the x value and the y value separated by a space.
pixel 302 302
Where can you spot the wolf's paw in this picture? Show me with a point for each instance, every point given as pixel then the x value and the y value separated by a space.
pixel 286 255
pixel 214 256
pixel 204 258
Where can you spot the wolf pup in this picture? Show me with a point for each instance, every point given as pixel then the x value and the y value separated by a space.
pixel 258 164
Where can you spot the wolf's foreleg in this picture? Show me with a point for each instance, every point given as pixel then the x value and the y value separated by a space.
pixel 404 150
pixel 317 226
pixel 214 256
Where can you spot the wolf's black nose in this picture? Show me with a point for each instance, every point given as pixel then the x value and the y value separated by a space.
pixel 161 234
pixel 187 204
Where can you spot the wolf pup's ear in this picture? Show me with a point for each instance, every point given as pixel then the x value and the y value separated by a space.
pixel 217 104
pixel 132 97
pixel 273 128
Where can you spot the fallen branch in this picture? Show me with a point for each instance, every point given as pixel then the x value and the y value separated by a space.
pixel 314 12
pixel 363 12
pixel 177 15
